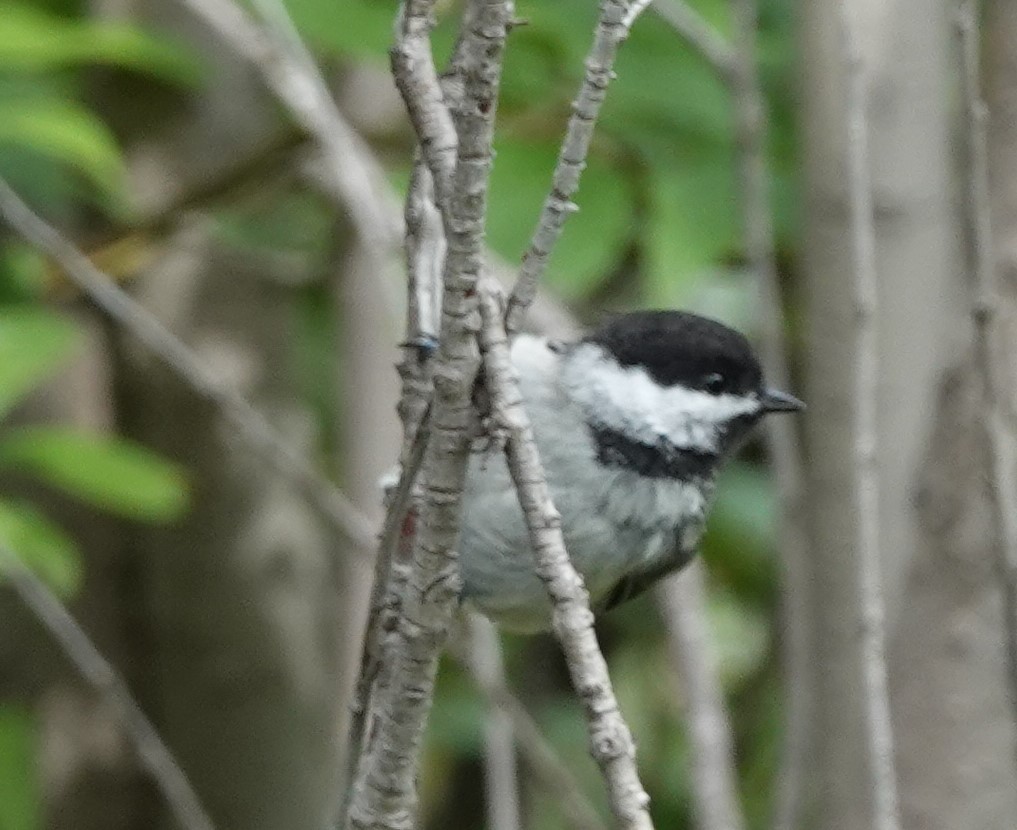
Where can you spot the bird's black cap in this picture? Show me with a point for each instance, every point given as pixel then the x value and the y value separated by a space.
pixel 676 347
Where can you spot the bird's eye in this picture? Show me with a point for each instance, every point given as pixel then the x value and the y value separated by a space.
pixel 714 383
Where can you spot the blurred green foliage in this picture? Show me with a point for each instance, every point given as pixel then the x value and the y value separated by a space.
pixel 658 225
pixel 46 128
pixel 108 472
pixel 19 784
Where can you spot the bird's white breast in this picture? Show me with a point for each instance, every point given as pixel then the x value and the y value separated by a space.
pixel 612 518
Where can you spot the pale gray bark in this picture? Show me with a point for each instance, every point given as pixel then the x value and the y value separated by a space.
pixel 611 741
pixel 871 610
pixel 501 775
pixel 682 600
pixel 548 769
pixel 384 793
pixel 906 46
pixel 954 725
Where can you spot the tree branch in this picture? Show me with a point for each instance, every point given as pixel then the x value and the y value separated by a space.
pixel 141 323
pixel 417 80
pixel 715 786
pixel 291 73
pixel 610 739
pixel 883 781
pixel 501 779
pixel 612 28
pixel 977 215
pixel 384 793
pixel 696 31
pixel 169 778
pixel 782 438
pixel 549 770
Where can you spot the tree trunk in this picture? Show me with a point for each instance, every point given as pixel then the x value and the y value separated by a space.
pixel 906 48
pixel 956 732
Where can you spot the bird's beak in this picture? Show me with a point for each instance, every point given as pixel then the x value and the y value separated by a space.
pixel 773 400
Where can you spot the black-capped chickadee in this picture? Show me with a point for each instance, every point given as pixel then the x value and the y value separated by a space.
pixel 632 423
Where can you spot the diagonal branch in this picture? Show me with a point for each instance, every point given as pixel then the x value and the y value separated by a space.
pixel 696 31
pixel 610 739
pixel 249 423
pixel 616 17
pixel 417 80
pixel 872 615
pixel 550 770
pixel 977 214
pixel 169 778
pixel 290 72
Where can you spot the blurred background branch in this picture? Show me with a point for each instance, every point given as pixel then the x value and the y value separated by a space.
pixel 104 680
pixel 871 603
pixel 128 125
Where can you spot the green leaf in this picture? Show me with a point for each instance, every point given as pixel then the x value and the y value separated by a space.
pixel 33 344
pixel 24 273
pixel 109 472
pixel 41 546
pixel 36 41
pixel 66 132
pixel 20 805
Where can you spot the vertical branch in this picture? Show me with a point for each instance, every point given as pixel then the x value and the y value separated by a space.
pixel 169 778
pixel 611 741
pixel 425 260
pixel 715 787
pixel 548 769
pixel 977 214
pixel 879 736
pixel 782 440
pixel 616 17
pixel 501 780
pixel 384 794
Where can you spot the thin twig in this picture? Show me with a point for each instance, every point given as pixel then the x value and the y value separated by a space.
pixel 369 198
pixel 1002 486
pixel 879 728
pixel 384 794
pixel 610 739
pixel 699 33
pixel 782 439
pixel 612 28
pixel 417 80
pixel 715 787
pixel 169 778
pixel 141 323
pixel 291 73
pixel 546 765
pixel 501 778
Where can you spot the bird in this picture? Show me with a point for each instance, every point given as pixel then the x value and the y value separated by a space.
pixel 633 422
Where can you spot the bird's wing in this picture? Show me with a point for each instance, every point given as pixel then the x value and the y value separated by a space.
pixel 638 581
